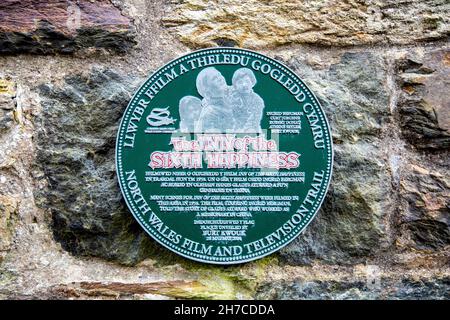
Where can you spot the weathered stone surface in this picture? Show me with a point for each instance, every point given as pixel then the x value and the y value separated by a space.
pixel 8 212
pixel 76 141
pixel 8 201
pixel 37 26
pixel 7 94
pixel 17 210
pixel 351 226
pixel 180 289
pixel 350 289
pixel 64 231
pixel 257 24
pixel 425 208
pixel 175 289
pixel 6 120
pixel 353 93
pixel 424 103
pixel 352 223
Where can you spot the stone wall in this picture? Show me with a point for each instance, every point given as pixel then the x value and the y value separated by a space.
pixel 380 69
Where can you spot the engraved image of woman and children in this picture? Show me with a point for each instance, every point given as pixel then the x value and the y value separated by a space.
pixel 235 108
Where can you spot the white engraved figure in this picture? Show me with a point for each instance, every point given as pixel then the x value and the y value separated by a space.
pixel 190 108
pixel 216 115
pixel 223 108
pixel 247 106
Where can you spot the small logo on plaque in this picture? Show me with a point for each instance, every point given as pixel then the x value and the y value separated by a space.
pixel 159 117
pixel 224 155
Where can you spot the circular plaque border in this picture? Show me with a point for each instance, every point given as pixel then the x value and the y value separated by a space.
pixel 243 258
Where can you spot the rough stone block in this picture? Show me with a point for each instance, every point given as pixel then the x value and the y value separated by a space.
pixel 76 145
pixel 352 224
pixel 59 26
pixel 256 24
pixel 424 103
pixel 403 288
pixel 424 221
pixel 352 92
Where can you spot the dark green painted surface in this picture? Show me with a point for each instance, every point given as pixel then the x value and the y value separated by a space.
pixel 277 98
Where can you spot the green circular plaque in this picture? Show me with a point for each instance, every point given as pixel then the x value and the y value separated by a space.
pixel 224 155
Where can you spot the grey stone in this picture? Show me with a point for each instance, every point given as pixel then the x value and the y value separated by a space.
pixel 75 148
pixel 403 288
pixel 7 104
pixel 351 224
pixel 424 105
pixel 353 93
pixel 6 120
pixel 424 213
